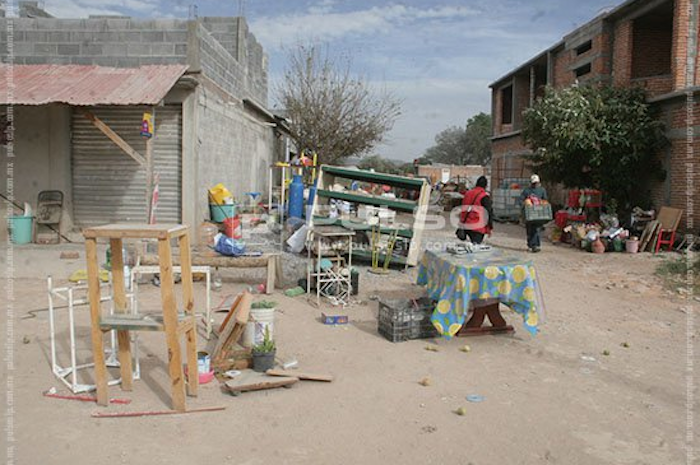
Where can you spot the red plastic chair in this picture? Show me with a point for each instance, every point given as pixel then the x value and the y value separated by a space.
pixel 669 218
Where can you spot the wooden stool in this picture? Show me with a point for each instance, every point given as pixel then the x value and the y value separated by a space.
pixel 474 326
pixel 170 322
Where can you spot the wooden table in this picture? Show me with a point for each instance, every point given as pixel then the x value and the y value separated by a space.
pixel 172 323
pixel 456 282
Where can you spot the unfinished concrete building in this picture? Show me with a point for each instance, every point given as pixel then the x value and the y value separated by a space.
pixel 204 80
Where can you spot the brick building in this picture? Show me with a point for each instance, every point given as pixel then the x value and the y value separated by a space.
pixel 639 43
pixel 211 125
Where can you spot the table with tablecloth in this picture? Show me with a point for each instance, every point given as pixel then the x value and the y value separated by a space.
pixel 456 280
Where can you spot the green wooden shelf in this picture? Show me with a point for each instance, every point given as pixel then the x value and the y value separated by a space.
pixel 376 178
pixel 360 226
pixel 367 255
pixel 395 204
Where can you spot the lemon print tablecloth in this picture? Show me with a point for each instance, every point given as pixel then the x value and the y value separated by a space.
pixel 453 281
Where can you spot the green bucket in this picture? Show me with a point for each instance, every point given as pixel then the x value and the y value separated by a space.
pixel 21 229
pixel 219 213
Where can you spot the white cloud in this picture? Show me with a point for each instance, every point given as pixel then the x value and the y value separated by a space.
pixel 323 24
pixel 84 8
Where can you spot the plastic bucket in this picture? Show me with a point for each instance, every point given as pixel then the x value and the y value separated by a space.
pixel 260 319
pixel 632 246
pixel 219 213
pixel 232 227
pixel 21 229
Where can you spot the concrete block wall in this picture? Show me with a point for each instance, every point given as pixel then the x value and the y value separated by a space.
pixel 218 65
pixel 240 162
pixel 126 42
pixel 119 42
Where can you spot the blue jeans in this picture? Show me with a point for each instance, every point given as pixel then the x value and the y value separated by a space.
pixel 533 234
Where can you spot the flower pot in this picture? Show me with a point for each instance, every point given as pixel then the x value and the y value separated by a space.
pixel 263 361
pixel 598 246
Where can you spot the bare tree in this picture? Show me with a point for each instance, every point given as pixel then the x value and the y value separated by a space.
pixel 331 112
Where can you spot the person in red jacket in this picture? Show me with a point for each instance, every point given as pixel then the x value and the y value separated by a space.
pixel 476 219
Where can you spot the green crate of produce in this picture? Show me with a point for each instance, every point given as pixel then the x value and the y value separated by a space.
pixel 539 213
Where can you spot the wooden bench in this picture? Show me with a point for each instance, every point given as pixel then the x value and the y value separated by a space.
pixel 269 261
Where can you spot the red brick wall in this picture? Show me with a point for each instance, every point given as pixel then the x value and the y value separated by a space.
pixel 674 191
pixel 504 160
pixel 651 49
pixel 622 53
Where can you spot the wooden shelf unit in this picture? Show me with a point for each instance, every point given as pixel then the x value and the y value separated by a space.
pixel 414 233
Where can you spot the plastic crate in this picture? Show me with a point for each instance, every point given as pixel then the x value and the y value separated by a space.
pixel 538 213
pixel 404 319
pixel 594 198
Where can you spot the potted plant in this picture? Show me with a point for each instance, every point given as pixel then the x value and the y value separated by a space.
pixel 264 353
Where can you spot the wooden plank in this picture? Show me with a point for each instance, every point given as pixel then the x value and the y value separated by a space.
pixel 231 312
pixel 95 311
pixel 232 331
pixel 114 137
pixel 119 295
pixel 136 231
pixel 250 380
pixel 646 235
pixel 415 248
pixel 188 303
pixel 271 275
pixel 150 413
pixel 301 375
pixel 219 261
pixel 170 322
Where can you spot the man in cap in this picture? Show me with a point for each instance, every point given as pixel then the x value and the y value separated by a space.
pixel 535 193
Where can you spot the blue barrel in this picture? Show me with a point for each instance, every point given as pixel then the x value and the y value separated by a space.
pixel 296 197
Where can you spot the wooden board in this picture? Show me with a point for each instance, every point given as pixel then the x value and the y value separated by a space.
pixel 647 235
pixel 250 380
pixel 233 330
pixel 301 375
pixel 217 260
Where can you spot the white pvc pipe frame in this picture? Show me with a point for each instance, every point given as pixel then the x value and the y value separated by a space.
pixel 66 294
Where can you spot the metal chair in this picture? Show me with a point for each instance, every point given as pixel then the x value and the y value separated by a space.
pixel 49 209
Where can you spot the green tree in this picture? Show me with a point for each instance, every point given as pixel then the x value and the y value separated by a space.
pixel 596 136
pixel 468 146
pixel 332 112
pixel 478 139
pixel 450 147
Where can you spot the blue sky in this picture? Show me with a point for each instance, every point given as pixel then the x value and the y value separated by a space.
pixel 437 56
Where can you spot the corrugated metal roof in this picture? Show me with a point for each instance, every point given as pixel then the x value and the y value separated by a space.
pixel 87 85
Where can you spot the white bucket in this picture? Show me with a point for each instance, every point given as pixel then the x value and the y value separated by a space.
pixel 260 319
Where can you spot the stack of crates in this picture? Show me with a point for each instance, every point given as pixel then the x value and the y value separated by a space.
pixel 403 319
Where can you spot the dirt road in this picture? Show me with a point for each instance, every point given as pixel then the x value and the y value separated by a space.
pixel 554 398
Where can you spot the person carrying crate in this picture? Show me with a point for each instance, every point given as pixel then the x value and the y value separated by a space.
pixel 533 195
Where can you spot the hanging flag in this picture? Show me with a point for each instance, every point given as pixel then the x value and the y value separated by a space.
pixel 147 125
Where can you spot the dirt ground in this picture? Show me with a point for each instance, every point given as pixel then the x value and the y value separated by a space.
pixel 555 398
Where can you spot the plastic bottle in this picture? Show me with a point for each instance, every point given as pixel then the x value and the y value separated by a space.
pixel 207 232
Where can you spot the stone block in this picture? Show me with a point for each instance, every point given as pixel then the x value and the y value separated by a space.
pixel 138 49
pixel 58 36
pixel 152 36
pixel 91 49
pixel 162 49
pixel 44 49
pixel 181 49
pixel 68 49
pixel 114 49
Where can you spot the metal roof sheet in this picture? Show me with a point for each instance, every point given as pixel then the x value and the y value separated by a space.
pixel 86 84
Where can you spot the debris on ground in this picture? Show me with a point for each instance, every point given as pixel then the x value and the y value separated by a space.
pixel 426 381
